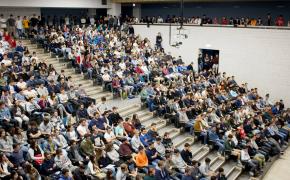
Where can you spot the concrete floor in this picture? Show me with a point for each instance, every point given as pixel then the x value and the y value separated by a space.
pixel 280 170
pixel 123 103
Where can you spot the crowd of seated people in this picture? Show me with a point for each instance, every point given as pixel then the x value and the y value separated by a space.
pixel 200 20
pixel 51 128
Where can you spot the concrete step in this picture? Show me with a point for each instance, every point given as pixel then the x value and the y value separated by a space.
pixel 160 123
pixel 180 140
pixel 92 93
pixel 144 113
pixel 147 117
pixel 200 153
pixel 93 89
pixel 128 107
pixel 86 85
pixel 130 111
pixel 234 173
pixel 217 162
pixel 98 96
pixel 173 132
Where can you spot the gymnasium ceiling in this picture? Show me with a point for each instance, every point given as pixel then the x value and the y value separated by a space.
pixel 167 1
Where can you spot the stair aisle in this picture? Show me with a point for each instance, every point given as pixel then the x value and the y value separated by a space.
pixel 95 92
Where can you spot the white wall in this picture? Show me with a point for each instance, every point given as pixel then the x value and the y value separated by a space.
pixel 54 3
pixel 137 11
pixel 260 57
pixel 19 11
pixel 115 9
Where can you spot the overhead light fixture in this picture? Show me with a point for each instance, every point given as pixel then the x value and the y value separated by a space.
pixel 208 45
pixel 134 4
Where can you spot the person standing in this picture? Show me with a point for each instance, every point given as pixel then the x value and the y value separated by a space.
pixel 34 21
pixel 269 20
pixel 19 27
pixel 11 25
pixel 25 23
pixel 159 41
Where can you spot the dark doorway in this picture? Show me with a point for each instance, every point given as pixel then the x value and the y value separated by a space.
pixel 208 59
pixel 101 12
pixel 127 10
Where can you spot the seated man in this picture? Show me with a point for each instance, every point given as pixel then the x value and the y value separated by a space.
pixel 213 136
pixel 245 158
pixel 152 132
pixel 161 172
pixel 135 141
pixel 87 147
pixel 178 161
pixel 230 148
pixel 159 147
pixel 200 129
pixel 141 159
pixel 145 139
pixel 204 168
pixel 110 137
pixel 152 154
pixel 125 150
pixel 82 128
pixel 48 166
pixel 186 154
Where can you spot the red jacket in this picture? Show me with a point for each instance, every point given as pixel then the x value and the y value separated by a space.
pixel 138 70
pixel 125 149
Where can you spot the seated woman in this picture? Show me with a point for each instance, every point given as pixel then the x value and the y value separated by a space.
pixel 18 113
pixel 113 154
pixel 35 154
pixel 6 143
pixel 20 138
pixel 136 121
pixel 94 170
pixel 54 103
pixel 129 127
pixel 31 172
pixel 63 99
pixel 71 133
pixel 32 106
pixel 62 161
pixel 5 166
pixel 49 145
pixel 120 131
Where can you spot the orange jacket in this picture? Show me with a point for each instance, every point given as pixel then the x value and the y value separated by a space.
pixel 141 160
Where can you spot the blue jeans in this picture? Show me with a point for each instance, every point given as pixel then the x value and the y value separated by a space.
pixel 221 146
pixel 204 137
pixel 90 73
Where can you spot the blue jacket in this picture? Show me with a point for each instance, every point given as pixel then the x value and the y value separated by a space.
pixel 143 139
pixel 150 153
pixel 213 136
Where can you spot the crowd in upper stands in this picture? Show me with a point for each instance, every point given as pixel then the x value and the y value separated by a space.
pixel 50 128
pixel 203 20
